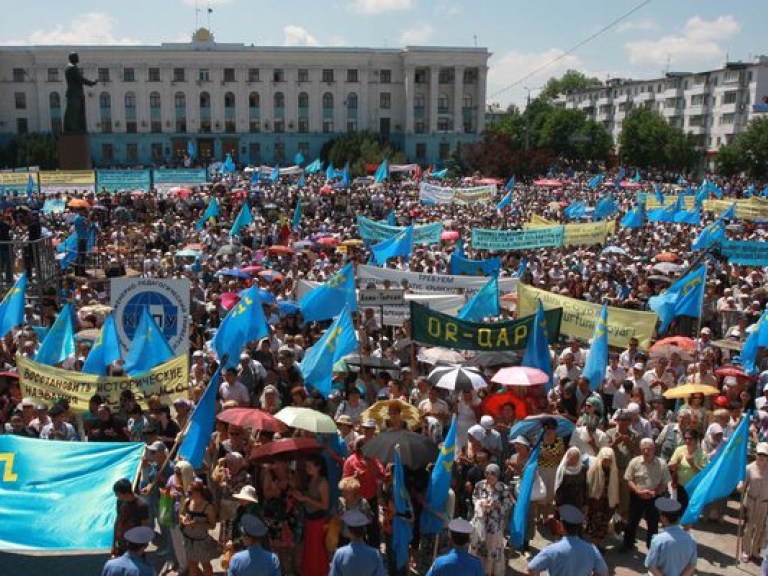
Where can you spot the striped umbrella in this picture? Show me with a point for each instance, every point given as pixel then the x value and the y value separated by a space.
pixel 457 377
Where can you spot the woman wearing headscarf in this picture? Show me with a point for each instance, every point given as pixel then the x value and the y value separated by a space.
pixel 492 500
pixel 602 494
pixel 571 480
pixel 270 399
pixel 178 488
pixel 231 475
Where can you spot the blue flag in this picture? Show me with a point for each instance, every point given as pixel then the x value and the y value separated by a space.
pixel 69 249
pixel 714 189
pixel 575 210
pixel 244 323
pixel 275 175
pixel 328 300
pixel 519 518
pixel 298 158
pixel 506 201
pixel 314 167
pixel 391 217
pixel 709 235
pixel 756 339
pixel 192 149
pixel 634 218
pixel 461 265
pixel 606 207
pixel 12 306
pixel 105 350
pixel 485 302
pixel 721 475
pixel 729 214
pixel 439 174
pixel 636 177
pixel 73 480
pixel 330 172
pixel 229 164
pixel 402 529
pixel 683 298
pixel 595 181
pixel 296 222
pixel 345 177
pixel 433 514
pixel 659 196
pixel 401 244
pixel 692 217
pixel 198 434
pixel 149 347
pixel 30 186
pixel 59 343
pixel 750 191
pixel 597 360
pixel 338 341
pixel 382 172
pixel 244 218
pixel 510 183
pixel 537 348
pixel 703 192
pixel 301 182
pixel 212 211
pixel 521 268
pixel 666 214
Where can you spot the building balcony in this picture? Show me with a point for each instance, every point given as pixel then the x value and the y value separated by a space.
pixel 698 109
pixel 604 101
pixel 697 130
pixel 419 112
pixel 645 96
pixel 303 112
pixel 181 111
pixel 698 89
pixel 672 92
pixel 205 113
pixel 229 113
pixel 328 113
pixel 279 112
pixel 155 113
pixel 254 112
pixel 622 98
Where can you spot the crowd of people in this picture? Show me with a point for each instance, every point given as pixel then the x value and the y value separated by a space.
pixel 626 458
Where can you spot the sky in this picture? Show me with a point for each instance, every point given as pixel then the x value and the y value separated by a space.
pixel 529 41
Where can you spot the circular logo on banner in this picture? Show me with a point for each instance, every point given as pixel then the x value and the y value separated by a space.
pixel 163 312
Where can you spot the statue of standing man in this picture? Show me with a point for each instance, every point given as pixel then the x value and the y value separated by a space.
pixel 74 113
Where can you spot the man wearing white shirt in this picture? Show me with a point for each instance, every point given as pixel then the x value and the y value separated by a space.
pixel 637 376
pixel 579 354
pixel 232 389
pixel 614 376
pixel 658 379
pixel 762 402
pixel 627 358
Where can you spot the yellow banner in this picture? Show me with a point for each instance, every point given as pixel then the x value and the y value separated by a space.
pixel 579 317
pixel 577 234
pixel 48 384
pixel 750 209
pixel 652 202
pixel 16 180
pixel 60 180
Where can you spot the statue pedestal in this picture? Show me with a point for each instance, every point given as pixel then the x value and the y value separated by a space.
pixel 74 152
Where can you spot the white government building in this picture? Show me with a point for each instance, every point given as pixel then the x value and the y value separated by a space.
pixel 261 104
pixel 715 105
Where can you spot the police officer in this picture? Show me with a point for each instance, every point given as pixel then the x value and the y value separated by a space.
pixel 673 551
pixel 254 560
pixel 458 562
pixel 132 563
pixel 356 558
pixel 571 556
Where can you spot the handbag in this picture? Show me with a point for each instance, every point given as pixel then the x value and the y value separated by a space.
pixel 538 490
pixel 332 532
pixel 165 510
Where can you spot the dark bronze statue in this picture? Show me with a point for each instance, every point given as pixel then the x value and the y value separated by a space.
pixel 74 113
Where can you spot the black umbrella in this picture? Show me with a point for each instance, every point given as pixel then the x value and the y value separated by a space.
pixel 416 451
pixel 371 362
pixel 455 377
pixel 495 359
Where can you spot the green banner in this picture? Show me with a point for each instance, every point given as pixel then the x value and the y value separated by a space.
pixel 483 239
pixel 114 180
pixel 438 329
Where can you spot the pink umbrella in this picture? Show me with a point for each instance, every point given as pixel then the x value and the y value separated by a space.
pixel 548 182
pixel 253 269
pixel 520 376
pixel 449 235
pixel 629 184
pixel 229 299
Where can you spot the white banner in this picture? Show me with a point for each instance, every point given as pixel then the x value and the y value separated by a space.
pixel 431 194
pixel 168 303
pixel 429 283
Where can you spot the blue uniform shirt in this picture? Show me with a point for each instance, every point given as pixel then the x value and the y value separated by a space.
pixel 255 561
pixel 671 551
pixel 81 227
pixel 357 559
pixel 458 562
pixel 570 556
pixel 128 564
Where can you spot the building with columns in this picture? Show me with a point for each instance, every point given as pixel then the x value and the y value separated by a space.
pixel 261 104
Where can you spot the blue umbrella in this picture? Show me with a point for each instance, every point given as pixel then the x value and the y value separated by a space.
pixel 288 307
pixel 233 272
pixel 614 250
pixel 266 296
pixel 531 426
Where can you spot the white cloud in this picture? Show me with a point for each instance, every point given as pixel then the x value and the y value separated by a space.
pixel 379 6
pixel 697 43
pixel 643 24
pixel 418 35
pixel 513 66
pixel 297 36
pixel 85 29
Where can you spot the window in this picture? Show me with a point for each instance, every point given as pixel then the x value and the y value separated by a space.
pixel 352 104
pixel 254 125
pixel 419 101
pixel 129 75
pixel 352 75
pixel 470 76
pixel 279 152
pixel 384 126
pixel 278 75
pixel 154 100
pixel 351 126
pixel 229 100
pixel 303 101
pixel 385 100
pixel 57 125
pixel 729 97
pixel 327 74
pixel 420 127
pixel 19 74
pixel 203 75
pixel 279 103
pixel 229 125
pixel 131 127
pixel 105 101
pixel 303 75
pixel 179 75
pixel 103 74
pixel 156 149
pixel 727 119
pixel 303 125
pixel 205 100
pixel 22 126
pixel 132 152
pixel 421 150
pixel 229 74
pixel 20 98
pixel 253 100
pixel 443 125
pixel 385 76
pixel 442 104
pixel 732 76
pixel 444 150
pixel 278 126
pixel 179 100
pixel 54 100
pixel 254 151
pixel 253 74
pixel 445 76
pixel 327 126
pixel 420 76
pixel 106 125
pixel 181 125
pixel 107 152
pixel 327 101
pixel 156 126
pixel 53 74
pixel 154 74
pixel 466 102
pixel 304 149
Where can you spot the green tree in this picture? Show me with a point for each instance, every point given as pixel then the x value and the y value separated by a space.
pixel 34 150
pixel 681 151
pixel 558 131
pixel 594 143
pixel 572 80
pixel 359 149
pixel 729 161
pixel 644 136
pixel 749 151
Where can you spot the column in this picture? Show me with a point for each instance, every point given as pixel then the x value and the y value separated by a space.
pixel 482 79
pixel 458 97
pixel 434 74
pixel 410 81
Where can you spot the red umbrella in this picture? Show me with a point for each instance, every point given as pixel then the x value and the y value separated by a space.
pixel 229 299
pixel 286 447
pixel 181 192
pixel 449 235
pixel 667 257
pixel 328 241
pixel 683 342
pixel 733 371
pixel 280 249
pixel 253 269
pixel 494 403
pixel 252 418
pixel 548 182
pixel 271 275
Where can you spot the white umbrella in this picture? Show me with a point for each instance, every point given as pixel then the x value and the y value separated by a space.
pixel 435 355
pixel 307 419
pixel 455 377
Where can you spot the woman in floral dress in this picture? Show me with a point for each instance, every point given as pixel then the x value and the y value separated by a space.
pixel 493 502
